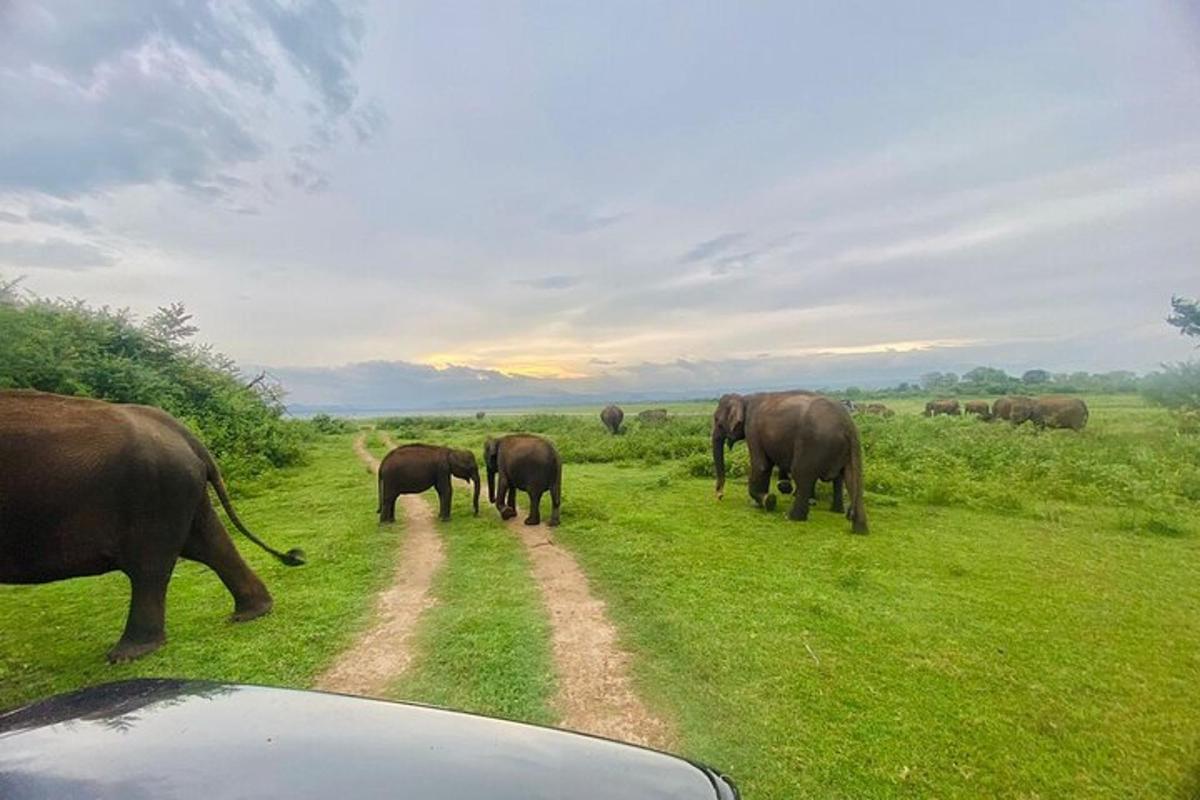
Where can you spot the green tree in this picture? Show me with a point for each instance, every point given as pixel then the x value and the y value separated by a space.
pixel 1035 376
pixel 1185 315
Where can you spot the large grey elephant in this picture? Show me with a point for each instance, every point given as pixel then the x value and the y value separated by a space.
pixel 949 407
pixel 979 408
pixel 1052 411
pixel 415 468
pixel 527 462
pixel 1002 408
pixel 653 416
pixel 811 437
pixel 88 487
pixel 612 416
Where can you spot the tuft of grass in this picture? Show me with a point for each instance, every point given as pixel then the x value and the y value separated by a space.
pixel 55 635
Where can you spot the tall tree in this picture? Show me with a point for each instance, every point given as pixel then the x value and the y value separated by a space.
pixel 1185 315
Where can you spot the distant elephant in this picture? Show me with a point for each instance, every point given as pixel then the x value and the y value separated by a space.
pixel 612 416
pixel 480 415
pixel 850 405
pixel 652 416
pixel 935 407
pixel 415 468
pixel 811 437
pixel 1002 408
pixel 878 409
pixel 526 462
pixel 1052 411
pixel 88 487
pixel 979 408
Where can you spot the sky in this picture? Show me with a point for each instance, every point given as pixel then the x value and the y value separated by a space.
pixel 407 205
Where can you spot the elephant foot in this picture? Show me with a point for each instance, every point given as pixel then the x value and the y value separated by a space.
pixel 507 513
pixel 251 609
pixel 125 652
pixel 838 508
pixel 444 519
pixel 533 521
pixel 785 487
pixel 798 514
pixel 769 502
pixel 553 523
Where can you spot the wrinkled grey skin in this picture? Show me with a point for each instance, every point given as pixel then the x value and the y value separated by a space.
pixel 415 468
pixel 979 408
pixel 526 462
pixel 935 407
pixel 612 417
pixel 88 487
pixel 1002 408
pixel 1052 411
pixel 653 416
pixel 811 437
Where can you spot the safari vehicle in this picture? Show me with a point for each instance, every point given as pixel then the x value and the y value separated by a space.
pixel 196 739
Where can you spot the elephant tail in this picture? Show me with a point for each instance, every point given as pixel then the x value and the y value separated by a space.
pixel 293 558
pixel 854 481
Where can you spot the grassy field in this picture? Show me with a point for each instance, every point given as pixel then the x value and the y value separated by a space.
pixel 1023 620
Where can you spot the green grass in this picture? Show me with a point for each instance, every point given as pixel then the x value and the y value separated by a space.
pixel 55 635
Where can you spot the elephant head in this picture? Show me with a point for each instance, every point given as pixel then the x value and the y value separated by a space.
pixel 491 451
pixel 462 465
pixel 729 426
pixel 1022 410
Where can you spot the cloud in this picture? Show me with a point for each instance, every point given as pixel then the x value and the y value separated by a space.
pixel 551 282
pixel 136 93
pixel 711 247
pixel 53 254
pixel 64 216
pixel 575 220
pixel 11 218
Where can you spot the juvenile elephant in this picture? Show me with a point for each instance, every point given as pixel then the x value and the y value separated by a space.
pixel 612 416
pixel 1052 411
pixel 809 437
pixel 652 416
pixel 415 468
pixel 1002 408
pixel 878 409
pixel 526 462
pixel 88 487
pixel 935 407
pixel 979 408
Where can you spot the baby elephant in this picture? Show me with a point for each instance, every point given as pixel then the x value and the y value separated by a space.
pixel 413 468
pixel 526 462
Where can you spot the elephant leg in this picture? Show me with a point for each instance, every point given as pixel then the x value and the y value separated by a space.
pixel 760 485
pixel 785 482
pixel 387 505
pixel 839 504
pixel 445 490
pixel 505 493
pixel 145 628
pixel 512 498
pixel 806 488
pixel 210 545
pixel 535 508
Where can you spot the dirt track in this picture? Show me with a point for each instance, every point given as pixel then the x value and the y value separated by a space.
pixel 384 650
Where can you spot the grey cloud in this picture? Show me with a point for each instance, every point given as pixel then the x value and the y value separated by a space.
pixel 53 254
pixel 8 216
pixel 575 220
pixel 712 247
pixel 67 216
pixel 602 362
pixel 551 282
pixel 116 94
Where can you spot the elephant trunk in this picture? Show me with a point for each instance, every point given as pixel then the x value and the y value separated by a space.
pixel 491 484
pixel 475 500
pixel 718 451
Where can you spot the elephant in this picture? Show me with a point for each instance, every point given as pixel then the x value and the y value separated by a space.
pixel 1002 408
pixel 480 414
pixel 652 416
pixel 612 416
pixel 935 407
pixel 850 405
pixel 1052 411
pixel 878 409
pixel 979 408
pixel 89 487
pixel 527 462
pixel 810 437
pixel 414 468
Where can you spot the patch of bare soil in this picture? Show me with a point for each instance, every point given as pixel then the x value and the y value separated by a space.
pixel 383 651
pixel 595 691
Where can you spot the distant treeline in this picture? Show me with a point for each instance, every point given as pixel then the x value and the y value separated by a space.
pixel 71 348
pixel 993 381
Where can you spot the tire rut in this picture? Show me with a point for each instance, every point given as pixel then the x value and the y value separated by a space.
pixel 384 651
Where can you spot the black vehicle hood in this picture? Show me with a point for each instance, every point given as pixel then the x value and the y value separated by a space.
pixel 192 739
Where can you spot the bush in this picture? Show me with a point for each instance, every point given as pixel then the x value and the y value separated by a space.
pixel 1176 387
pixel 71 348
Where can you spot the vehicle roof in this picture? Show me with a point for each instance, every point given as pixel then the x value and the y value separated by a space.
pixel 165 738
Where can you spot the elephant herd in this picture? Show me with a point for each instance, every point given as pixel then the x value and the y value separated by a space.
pixel 1047 411
pixel 88 487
